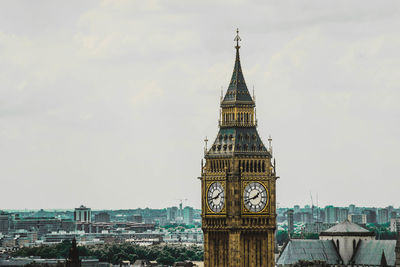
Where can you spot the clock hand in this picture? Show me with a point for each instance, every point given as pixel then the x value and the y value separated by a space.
pixel 216 196
pixel 247 200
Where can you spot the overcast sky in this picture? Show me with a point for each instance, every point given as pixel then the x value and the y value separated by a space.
pixel 107 103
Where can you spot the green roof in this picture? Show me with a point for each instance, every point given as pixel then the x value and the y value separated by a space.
pixel 370 252
pixel 309 250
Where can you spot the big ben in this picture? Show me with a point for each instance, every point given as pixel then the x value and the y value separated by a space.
pixel 238 185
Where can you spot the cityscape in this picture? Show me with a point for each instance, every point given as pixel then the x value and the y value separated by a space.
pixel 181 133
pixel 178 225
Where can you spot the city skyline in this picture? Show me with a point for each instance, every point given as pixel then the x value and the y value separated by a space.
pixel 107 103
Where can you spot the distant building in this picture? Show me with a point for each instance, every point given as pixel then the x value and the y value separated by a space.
pixel 383 216
pixel 296 208
pixel 331 214
pixel 317 227
pixel 102 217
pixel 358 218
pixel 172 213
pixel 393 215
pixel 290 221
pixel 305 217
pixel 137 218
pixel 343 214
pixel 395 225
pixel 352 208
pixel 5 219
pixel 42 225
pixel 188 215
pixel 371 215
pixel 83 214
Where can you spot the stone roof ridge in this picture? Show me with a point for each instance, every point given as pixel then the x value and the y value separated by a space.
pixel 347 227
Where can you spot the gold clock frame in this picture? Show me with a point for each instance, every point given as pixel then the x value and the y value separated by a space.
pixel 209 210
pixel 265 210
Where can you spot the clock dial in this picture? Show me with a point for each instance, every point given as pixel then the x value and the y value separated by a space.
pixel 216 197
pixel 255 197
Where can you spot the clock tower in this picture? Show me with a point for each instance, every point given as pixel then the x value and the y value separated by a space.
pixel 238 185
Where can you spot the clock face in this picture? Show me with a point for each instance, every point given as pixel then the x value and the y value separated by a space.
pixel 216 197
pixel 255 197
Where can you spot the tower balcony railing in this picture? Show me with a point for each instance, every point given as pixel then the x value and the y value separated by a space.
pixel 237 123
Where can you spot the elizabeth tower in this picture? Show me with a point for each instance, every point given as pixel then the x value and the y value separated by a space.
pixel 238 185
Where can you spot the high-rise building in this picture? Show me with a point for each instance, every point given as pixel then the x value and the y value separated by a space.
pixel 83 214
pixel 343 214
pixel 290 222
pixel 393 214
pixel 352 208
pixel 5 219
pixel 188 215
pixel 172 213
pixel 383 216
pixel 296 208
pixel 238 185
pixel 371 215
pixel 331 214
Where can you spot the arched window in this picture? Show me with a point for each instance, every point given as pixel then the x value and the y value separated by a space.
pixel 259 166
pixel 251 166
pixel 263 166
pixel 337 243
pixel 354 244
pixel 247 166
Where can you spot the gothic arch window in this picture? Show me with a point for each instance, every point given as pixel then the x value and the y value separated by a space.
pixel 247 166
pixel 230 147
pixel 263 166
pixel 251 166
pixel 259 166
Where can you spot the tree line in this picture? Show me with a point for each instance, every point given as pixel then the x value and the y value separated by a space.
pixel 116 253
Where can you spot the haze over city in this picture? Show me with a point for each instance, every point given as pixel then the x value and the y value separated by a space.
pixel 107 103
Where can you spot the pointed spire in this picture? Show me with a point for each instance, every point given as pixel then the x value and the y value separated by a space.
pixel 237 92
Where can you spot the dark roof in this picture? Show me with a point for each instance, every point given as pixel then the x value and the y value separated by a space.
pixel 310 250
pixel 369 252
pixel 347 228
pixel 237 92
pixel 237 141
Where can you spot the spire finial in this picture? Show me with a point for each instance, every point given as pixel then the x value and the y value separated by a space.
pixel 237 39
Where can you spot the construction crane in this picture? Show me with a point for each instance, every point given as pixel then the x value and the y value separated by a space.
pixel 312 208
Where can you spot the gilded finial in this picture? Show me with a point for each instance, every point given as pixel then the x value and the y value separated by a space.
pixel 237 38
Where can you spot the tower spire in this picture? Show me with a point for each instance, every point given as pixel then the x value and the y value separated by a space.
pixel 237 92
